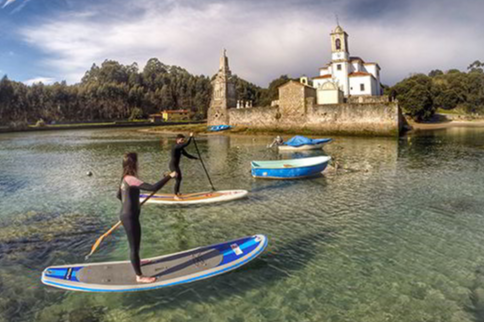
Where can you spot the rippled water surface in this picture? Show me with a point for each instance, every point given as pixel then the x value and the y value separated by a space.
pixel 396 233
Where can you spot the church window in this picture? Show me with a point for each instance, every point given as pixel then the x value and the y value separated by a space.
pixel 338 67
pixel 338 44
pixel 362 87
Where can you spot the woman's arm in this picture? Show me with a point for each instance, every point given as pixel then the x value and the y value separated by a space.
pixel 156 186
pixel 135 182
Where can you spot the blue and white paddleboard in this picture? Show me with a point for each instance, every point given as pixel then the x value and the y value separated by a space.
pixel 184 267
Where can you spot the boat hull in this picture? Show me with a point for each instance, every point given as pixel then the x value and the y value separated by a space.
pixel 289 171
pixel 306 147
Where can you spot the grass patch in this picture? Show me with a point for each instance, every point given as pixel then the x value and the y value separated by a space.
pixel 244 130
pixel 451 112
pixel 181 128
pixel 71 125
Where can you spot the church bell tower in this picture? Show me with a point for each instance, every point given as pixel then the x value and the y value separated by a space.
pixel 339 44
pixel 340 59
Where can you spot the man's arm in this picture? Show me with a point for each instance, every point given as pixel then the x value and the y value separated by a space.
pixel 184 145
pixel 188 155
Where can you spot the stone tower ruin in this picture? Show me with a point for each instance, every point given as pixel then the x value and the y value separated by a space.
pixel 223 95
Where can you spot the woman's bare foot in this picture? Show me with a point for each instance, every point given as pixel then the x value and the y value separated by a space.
pixel 145 279
pixel 177 197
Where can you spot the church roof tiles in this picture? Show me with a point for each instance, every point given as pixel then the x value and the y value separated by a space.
pixel 354 74
pixel 323 76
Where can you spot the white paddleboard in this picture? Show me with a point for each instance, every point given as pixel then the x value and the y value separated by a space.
pixel 184 267
pixel 196 198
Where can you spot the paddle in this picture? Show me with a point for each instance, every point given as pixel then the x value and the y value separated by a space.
pixel 100 239
pixel 203 165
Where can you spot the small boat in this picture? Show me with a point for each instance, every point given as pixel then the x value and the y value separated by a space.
pixel 290 169
pixel 301 143
pixel 218 128
pixel 196 198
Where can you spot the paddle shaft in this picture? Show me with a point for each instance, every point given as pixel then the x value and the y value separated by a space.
pixel 100 239
pixel 203 165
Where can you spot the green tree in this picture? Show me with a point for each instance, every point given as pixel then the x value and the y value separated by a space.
pixel 436 72
pixel 414 95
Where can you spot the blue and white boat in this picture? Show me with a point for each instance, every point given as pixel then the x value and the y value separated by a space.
pixel 290 169
pixel 217 128
pixel 301 143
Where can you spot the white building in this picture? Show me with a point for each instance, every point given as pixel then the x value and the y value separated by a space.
pixel 351 75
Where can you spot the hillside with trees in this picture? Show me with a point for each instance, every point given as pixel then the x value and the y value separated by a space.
pixel 453 91
pixel 114 91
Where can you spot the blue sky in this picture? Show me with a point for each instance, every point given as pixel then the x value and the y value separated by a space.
pixel 54 40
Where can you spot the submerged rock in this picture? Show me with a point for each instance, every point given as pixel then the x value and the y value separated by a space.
pixel 28 236
pixel 28 242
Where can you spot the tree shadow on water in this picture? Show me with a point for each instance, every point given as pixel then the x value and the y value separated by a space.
pixel 276 264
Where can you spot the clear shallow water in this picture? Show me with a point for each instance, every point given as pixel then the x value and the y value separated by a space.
pixel 396 234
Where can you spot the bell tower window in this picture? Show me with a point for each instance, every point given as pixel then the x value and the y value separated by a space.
pixel 338 44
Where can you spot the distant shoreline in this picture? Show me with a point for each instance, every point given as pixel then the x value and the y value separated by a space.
pixel 203 128
pixel 444 125
pixel 83 126
pixel 238 130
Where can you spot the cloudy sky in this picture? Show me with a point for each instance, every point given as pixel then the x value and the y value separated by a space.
pixel 54 40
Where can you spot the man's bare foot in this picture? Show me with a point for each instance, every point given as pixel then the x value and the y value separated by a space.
pixel 145 279
pixel 177 197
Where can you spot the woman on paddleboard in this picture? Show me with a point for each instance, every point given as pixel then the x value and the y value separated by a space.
pixel 129 193
pixel 176 152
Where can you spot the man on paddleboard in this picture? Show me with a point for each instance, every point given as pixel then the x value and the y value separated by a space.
pixel 176 152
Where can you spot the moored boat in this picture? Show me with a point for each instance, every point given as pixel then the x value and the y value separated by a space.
pixel 290 169
pixel 301 143
pixel 218 128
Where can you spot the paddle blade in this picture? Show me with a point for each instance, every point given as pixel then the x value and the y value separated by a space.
pixel 100 239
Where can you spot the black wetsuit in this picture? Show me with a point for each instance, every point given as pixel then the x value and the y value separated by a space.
pixel 128 193
pixel 176 151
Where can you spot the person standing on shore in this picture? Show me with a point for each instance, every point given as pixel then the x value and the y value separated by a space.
pixel 176 152
pixel 128 193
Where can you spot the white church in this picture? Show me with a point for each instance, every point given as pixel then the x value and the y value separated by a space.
pixel 345 75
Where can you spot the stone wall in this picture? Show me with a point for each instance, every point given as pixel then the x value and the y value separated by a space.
pixel 292 100
pixel 370 119
pixel 380 119
pixel 296 110
pixel 254 117
pixel 368 99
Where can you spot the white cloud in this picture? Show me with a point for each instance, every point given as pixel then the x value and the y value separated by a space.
pixel 36 80
pixel 7 2
pixel 262 43
pixel 20 7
